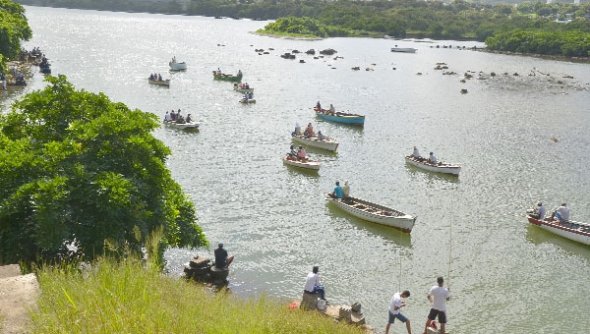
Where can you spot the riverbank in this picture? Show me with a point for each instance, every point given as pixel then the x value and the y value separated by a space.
pixel 146 301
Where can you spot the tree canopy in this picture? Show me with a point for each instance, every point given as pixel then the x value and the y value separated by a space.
pixel 14 28
pixel 75 166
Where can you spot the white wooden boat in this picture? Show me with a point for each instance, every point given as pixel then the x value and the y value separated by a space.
pixel 165 83
pixel 174 66
pixel 436 167
pixel 307 164
pixel 404 50
pixel 326 144
pixel 375 213
pixel 183 126
pixel 576 231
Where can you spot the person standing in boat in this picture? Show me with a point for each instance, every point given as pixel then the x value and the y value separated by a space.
pixel 562 213
pixel 222 261
pixel 313 285
pixel 438 296
pixel 395 306
pixel 338 192
pixel 432 159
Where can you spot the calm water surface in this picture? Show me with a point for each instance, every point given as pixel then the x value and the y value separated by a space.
pixel 506 276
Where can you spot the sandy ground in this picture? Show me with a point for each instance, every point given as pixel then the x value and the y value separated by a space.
pixel 18 296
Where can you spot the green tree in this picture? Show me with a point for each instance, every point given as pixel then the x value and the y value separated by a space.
pixel 75 166
pixel 14 28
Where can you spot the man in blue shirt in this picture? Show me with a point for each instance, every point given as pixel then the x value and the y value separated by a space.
pixel 338 192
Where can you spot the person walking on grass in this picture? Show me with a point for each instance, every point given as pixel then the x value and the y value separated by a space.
pixel 395 305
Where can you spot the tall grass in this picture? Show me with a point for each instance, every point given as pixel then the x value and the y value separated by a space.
pixel 125 297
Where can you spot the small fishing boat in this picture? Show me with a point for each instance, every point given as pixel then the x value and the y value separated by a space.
pixel 439 167
pixel 572 230
pixel 375 213
pixel 328 144
pixel 404 50
pixel 340 117
pixel 247 101
pixel 176 66
pixel 183 126
pixel 218 75
pixel 306 164
pixel 243 89
pixel 165 83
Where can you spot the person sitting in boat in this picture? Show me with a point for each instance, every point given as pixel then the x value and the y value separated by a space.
pixel 167 117
pixel 250 95
pixel 539 212
pixel 562 213
pixel 416 154
pixel 309 131
pixel 338 192
pixel 332 109
pixel 292 153
pixel 159 77
pixel 188 118
pixel 239 73
pixel 318 106
pixel 432 159
pixel 180 119
pixel 321 136
pixel 222 261
pixel 301 154
pixel 172 116
pixel 297 131
pixel 151 76
pixel 346 191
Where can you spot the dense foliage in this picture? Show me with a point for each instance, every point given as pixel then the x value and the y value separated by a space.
pixel 14 28
pixel 75 166
pixel 564 43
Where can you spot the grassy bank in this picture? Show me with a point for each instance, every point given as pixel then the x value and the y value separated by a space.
pixel 125 298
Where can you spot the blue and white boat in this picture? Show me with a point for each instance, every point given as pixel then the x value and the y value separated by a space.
pixel 340 117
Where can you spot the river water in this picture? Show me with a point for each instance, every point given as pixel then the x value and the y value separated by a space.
pixel 520 138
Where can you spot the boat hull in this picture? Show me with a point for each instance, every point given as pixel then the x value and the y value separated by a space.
pixel 328 145
pixel 376 213
pixel 227 77
pixel 342 118
pixel 247 101
pixel 164 83
pixel 404 50
pixel 177 66
pixel 311 165
pixel 443 168
pixel 574 231
pixel 183 126
pixel 244 90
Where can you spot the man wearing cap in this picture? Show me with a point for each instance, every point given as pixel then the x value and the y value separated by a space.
pixel 222 261
pixel 539 211
pixel 395 305
pixel 562 213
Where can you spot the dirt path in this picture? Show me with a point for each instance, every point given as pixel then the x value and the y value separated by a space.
pixel 18 296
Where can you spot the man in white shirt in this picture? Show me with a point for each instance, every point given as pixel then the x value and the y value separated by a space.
pixel 416 153
pixel 438 296
pixel 563 213
pixel 312 283
pixel 432 159
pixel 395 305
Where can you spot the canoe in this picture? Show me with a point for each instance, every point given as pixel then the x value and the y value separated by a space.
pixel 340 117
pixel 575 231
pixel 243 90
pixel 440 167
pixel 174 66
pixel 375 213
pixel 183 126
pixel 404 50
pixel 165 83
pixel 227 77
pixel 246 101
pixel 326 144
pixel 308 164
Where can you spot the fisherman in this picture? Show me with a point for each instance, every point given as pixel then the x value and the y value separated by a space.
pixel 297 131
pixel 338 192
pixel 395 305
pixel 313 285
pixel 188 118
pixel 416 153
pixel 432 159
pixel 539 211
pixel 222 261
pixel 438 296
pixel 562 213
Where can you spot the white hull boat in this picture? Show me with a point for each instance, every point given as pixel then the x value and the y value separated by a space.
pixel 376 213
pixel 404 50
pixel 326 144
pixel 183 126
pixel 307 164
pixel 576 231
pixel 440 167
pixel 174 66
